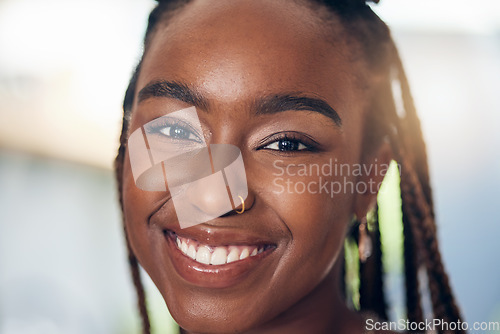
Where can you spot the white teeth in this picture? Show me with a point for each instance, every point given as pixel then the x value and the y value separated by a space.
pixel 219 256
pixel 234 255
pixel 191 252
pixel 203 255
pixel 184 247
pixel 244 254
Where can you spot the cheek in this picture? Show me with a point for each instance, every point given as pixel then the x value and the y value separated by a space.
pixel 138 205
pixel 315 217
pixel 316 220
pixel 310 198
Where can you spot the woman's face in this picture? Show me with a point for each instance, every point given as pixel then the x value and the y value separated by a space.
pixel 235 57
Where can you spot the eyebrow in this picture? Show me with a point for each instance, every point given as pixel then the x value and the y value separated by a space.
pixel 174 90
pixel 267 105
pixel 283 102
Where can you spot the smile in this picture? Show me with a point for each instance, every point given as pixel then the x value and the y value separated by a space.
pixel 216 256
pixel 222 260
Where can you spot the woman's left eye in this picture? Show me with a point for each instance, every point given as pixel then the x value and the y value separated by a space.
pixel 286 145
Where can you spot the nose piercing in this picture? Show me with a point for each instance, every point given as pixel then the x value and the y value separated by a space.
pixel 242 206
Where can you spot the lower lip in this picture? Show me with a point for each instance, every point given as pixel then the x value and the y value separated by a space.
pixel 211 276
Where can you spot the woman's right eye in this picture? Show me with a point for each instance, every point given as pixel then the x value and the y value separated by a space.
pixel 173 129
pixel 179 132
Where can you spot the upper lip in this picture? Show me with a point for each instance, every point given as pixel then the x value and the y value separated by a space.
pixel 220 231
pixel 214 236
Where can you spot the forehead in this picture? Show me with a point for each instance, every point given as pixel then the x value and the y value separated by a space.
pixel 234 50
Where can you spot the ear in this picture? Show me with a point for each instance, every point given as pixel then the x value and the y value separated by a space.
pixel 374 167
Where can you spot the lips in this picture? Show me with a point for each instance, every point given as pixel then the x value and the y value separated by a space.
pixel 221 260
pixel 232 251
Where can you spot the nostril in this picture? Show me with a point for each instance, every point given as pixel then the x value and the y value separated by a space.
pixel 227 214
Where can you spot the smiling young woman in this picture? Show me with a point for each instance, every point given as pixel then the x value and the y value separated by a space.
pixel 296 82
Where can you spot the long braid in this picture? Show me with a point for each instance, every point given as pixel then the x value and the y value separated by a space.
pixel 444 306
pixel 139 288
pixel 411 254
pixel 371 291
pixel 420 216
pixel 417 206
pixel 411 265
pixel 420 226
pixel 413 130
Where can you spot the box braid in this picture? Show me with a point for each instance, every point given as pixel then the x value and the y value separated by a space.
pixel 383 121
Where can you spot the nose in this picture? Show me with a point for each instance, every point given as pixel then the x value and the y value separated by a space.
pixel 225 190
pixel 210 195
pixel 221 191
pixel 214 198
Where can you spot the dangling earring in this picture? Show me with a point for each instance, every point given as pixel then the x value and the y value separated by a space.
pixel 365 242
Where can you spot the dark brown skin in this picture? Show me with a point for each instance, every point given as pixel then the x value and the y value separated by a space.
pixel 233 53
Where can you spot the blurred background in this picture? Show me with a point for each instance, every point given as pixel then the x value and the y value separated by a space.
pixel 64 67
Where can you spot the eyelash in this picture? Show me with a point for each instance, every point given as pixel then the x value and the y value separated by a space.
pixel 160 127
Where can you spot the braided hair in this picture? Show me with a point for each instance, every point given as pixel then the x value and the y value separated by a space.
pixel 384 121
